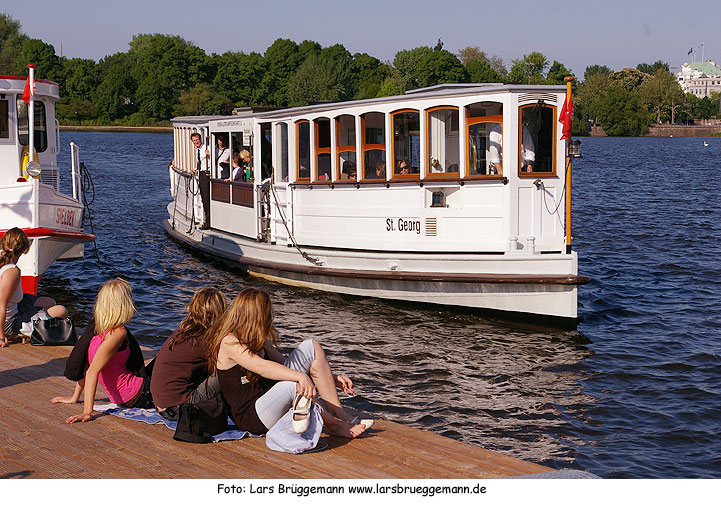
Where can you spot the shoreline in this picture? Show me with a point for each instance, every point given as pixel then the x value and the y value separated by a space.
pixel 117 128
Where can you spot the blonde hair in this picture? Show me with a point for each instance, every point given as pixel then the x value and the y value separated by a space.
pixel 204 309
pixel 114 305
pixel 250 319
pixel 14 243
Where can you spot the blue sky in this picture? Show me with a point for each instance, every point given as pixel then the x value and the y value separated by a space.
pixel 611 32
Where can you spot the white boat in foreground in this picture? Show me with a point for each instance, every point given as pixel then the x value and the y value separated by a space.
pixel 30 194
pixel 452 195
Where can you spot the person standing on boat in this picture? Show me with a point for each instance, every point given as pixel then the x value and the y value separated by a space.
pixel 180 371
pixel 242 346
pixel 201 154
pixel 495 150
pixel 17 307
pixel 223 158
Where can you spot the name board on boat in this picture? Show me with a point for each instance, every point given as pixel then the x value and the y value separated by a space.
pixel 66 216
pixel 244 125
pixel 400 224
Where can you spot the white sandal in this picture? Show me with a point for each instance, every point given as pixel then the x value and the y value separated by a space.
pixel 301 413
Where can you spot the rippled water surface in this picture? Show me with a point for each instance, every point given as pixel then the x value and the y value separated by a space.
pixel 635 392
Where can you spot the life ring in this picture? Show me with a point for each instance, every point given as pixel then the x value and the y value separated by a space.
pixel 26 160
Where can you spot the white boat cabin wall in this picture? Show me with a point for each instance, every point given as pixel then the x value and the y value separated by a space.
pixel 485 172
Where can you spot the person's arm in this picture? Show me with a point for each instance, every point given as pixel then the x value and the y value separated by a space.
pixel 79 385
pixel 273 353
pixel 112 342
pixel 266 368
pixel 9 281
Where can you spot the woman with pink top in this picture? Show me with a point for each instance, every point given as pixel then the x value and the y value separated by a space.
pixel 107 355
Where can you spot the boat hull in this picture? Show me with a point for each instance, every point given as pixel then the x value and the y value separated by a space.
pixel 448 280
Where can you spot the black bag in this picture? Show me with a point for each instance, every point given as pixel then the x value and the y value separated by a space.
pixel 53 332
pixel 198 422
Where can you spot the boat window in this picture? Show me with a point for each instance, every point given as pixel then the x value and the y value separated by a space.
pixel 346 146
pixel 41 134
pixel 537 135
pixel 406 142
pixel 4 119
pixel 266 151
pixel 443 140
pixel 374 144
pixel 303 149
pixel 281 174
pixel 484 128
pixel 322 149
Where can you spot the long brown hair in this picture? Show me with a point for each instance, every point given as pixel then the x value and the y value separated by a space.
pixel 206 306
pixel 14 243
pixel 250 319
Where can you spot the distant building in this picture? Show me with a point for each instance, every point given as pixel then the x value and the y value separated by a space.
pixel 700 78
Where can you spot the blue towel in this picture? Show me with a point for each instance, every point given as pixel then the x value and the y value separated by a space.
pixel 153 417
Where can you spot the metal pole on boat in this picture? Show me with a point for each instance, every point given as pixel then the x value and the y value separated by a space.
pixel 31 114
pixel 568 80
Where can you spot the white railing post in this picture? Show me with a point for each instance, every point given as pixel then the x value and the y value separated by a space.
pixel 75 168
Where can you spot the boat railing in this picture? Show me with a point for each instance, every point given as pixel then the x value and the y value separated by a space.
pixel 50 175
pixel 75 167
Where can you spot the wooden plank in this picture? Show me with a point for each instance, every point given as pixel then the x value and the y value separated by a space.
pixel 37 443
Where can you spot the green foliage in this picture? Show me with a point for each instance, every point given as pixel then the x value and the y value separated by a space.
pixel 239 77
pixel 368 73
pixel 322 77
pixel 629 78
pixel 202 100
pixel 47 64
pixel 480 71
pixel 76 111
pixel 282 58
pixel 654 67
pixel 440 67
pixel 408 63
pixel 392 85
pixel 705 109
pixel 593 70
pixel 621 113
pixel 662 95
pixel 471 54
pixel 528 70
pixel 556 73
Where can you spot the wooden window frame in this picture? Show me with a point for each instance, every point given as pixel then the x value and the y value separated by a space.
pixel 298 178
pixel 394 175
pixel 470 122
pixel 317 151
pixel 365 147
pixel 537 174
pixel 445 175
pixel 344 148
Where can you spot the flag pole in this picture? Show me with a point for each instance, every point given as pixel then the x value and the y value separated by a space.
pixel 31 114
pixel 568 80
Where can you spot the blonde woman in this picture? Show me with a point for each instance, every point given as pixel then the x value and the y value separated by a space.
pixel 242 346
pixel 107 354
pixel 17 307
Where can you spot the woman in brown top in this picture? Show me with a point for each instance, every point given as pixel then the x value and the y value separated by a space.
pixel 242 344
pixel 180 374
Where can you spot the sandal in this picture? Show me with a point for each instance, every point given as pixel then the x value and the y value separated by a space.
pixel 301 413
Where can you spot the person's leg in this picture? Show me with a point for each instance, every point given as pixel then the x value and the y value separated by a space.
pixel 310 358
pixel 341 428
pixel 208 389
pixel 277 400
pixel 44 302
pixel 57 312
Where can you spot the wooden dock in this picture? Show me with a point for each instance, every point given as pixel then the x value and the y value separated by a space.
pixel 37 443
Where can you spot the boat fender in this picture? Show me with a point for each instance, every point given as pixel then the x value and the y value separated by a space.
pixel 26 160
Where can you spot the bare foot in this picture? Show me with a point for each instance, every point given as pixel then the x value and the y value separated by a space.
pixel 3 344
pixel 63 399
pixel 340 428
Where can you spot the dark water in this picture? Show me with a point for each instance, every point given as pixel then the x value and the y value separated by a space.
pixel 635 393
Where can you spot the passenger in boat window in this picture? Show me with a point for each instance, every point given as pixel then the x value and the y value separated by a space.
pixel 349 171
pixel 380 170
pixel 180 371
pixel 242 345
pixel 528 154
pixel 241 161
pixel 404 167
pixel 201 154
pixel 303 171
pixel 17 309
pixel 223 157
pixel 495 149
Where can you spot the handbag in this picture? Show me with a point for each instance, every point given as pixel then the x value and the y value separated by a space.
pixel 198 422
pixel 281 436
pixel 53 332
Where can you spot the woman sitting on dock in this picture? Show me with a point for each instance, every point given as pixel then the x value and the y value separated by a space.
pixel 17 307
pixel 180 372
pixel 107 354
pixel 242 345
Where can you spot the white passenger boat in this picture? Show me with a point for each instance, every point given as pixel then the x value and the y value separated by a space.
pixel 453 195
pixel 30 194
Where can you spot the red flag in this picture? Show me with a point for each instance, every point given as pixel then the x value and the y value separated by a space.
pixel 566 117
pixel 26 92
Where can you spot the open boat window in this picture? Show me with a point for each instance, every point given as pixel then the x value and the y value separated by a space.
pixel 537 135
pixel 281 136
pixel 443 141
pixel 374 144
pixel 41 133
pixel 484 128
pixel 322 149
pixel 266 150
pixel 346 146
pixel 4 119
pixel 406 127
pixel 302 136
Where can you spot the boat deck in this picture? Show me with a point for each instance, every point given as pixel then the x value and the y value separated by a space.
pixel 37 443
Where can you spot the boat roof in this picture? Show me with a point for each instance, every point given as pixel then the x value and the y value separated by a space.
pixel 438 91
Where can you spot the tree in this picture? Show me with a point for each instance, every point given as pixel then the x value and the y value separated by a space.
pixel 408 62
pixel 652 68
pixel 321 77
pixel 239 77
pixel 661 94
pixel 80 78
pixel 593 70
pixel 471 54
pixel 629 78
pixel 368 73
pixel 620 112
pixel 440 67
pixel 392 85
pixel 529 70
pixel 556 73
pixel 480 71
pixel 282 58
pixel 201 99
pixel 47 63
pixel 705 109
